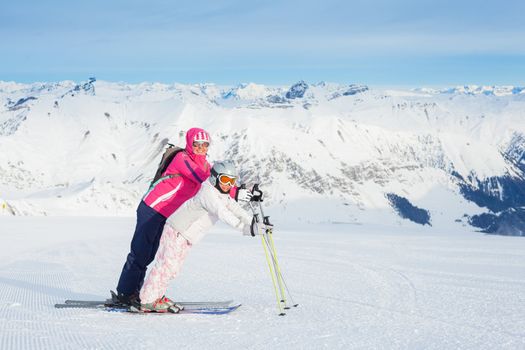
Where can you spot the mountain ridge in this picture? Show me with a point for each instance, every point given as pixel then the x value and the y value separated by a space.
pixel 98 144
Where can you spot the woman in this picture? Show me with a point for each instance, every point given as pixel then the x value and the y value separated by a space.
pixel 181 181
pixel 186 227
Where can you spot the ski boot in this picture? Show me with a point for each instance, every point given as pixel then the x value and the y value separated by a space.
pixel 160 305
pixel 174 307
pixel 124 300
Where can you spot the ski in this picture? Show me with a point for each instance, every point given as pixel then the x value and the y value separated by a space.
pixel 206 311
pixel 187 310
pixel 108 302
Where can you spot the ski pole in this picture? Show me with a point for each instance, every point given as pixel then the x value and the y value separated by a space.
pixel 280 273
pixel 282 282
pixel 271 245
pixel 272 274
pixel 273 254
pixel 267 254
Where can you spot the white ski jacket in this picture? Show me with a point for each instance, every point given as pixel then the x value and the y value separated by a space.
pixel 202 211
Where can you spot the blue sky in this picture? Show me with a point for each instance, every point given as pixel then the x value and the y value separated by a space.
pixel 382 43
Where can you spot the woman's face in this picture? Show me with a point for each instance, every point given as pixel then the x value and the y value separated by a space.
pixel 200 148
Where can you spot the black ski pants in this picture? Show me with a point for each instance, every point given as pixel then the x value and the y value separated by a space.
pixel 144 246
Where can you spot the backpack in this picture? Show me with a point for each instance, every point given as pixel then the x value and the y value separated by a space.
pixel 167 157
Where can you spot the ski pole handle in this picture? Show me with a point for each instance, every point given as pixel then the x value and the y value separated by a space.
pixel 257 194
pixel 254 227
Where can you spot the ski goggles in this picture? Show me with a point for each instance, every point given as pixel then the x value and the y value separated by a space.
pixel 226 179
pixel 201 144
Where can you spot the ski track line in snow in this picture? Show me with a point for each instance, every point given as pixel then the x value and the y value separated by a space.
pixel 497 284
pixel 27 296
pixel 379 276
pixel 418 313
pixel 390 285
pixel 30 321
pixel 474 327
pixel 389 289
pixel 29 290
pixel 396 287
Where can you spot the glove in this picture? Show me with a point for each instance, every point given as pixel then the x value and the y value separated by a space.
pixel 247 230
pixel 257 194
pixel 243 195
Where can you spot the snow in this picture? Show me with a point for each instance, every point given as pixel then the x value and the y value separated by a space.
pixel 359 286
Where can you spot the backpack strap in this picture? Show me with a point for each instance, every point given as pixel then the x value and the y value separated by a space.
pixel 165 177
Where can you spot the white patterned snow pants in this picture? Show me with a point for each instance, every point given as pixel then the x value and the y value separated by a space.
pixel 168 262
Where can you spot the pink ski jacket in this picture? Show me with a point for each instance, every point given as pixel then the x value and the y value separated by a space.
pixel 184 176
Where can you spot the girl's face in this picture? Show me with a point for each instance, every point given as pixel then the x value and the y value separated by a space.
pixel 225 187
pixel 226 182
pixel 200 148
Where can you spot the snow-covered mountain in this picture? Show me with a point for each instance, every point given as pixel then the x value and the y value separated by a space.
pixel 322 152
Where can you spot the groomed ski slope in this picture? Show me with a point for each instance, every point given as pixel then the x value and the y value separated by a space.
pixel 357 286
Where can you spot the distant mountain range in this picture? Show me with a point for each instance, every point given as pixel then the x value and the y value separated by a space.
pixel 445 158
